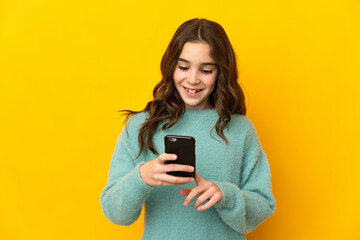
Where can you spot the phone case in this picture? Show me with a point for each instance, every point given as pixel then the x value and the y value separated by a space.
pixel 184 148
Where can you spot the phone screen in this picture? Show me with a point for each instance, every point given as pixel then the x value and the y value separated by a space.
pixel 184 148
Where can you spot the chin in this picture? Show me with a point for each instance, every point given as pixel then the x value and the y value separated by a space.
pixel 195 105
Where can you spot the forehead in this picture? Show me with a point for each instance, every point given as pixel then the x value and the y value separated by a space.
pixel 196 52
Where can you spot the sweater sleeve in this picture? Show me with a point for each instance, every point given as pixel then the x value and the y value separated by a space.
pixel 125 192
pixel 245 206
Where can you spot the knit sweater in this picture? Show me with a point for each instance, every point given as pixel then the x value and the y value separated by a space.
pixel 239 168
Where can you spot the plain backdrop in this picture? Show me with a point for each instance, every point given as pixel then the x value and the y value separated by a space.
pixel 67 67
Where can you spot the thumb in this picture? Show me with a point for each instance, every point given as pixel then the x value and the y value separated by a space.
pixel 185 192
pixel 198 178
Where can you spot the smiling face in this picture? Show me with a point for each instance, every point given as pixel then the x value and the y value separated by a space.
pixel 195 75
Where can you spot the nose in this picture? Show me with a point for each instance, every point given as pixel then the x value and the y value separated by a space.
pixel 193 78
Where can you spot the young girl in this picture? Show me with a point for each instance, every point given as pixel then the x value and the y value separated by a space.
pixel 198 96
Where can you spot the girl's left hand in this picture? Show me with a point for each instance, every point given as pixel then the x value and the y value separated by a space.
pixel 204 190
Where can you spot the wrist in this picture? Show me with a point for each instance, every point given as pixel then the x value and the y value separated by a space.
pixel 142 174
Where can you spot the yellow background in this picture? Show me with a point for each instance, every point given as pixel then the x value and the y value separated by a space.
pixel 66 67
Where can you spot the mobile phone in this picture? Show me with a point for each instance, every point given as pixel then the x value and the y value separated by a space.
pixel 184 148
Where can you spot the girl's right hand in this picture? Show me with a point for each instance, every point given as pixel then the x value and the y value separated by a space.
pixel 153 173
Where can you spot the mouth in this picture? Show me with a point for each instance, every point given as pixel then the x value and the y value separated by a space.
pixel 192 90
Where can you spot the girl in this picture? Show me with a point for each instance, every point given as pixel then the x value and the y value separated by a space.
pixel 198 96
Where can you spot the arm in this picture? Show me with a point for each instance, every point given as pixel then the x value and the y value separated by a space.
pixel 245 206
pixel 131 181
pixel 241 207
pixel 125 192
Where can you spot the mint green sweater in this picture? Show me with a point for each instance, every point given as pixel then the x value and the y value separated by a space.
pixel 239 168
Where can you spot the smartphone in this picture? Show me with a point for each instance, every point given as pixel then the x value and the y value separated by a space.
pixel 184 148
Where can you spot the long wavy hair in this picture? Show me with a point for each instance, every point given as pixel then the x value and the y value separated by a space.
pixel 227 97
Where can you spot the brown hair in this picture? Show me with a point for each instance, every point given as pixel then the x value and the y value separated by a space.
pixel 227 97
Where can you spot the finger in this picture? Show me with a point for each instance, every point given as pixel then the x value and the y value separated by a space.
pixel 203 197
pixel 178 167
pixel 196 191
pixel 216 198
pixel 198 178
pixel 185 192
pixel 173 179
pixel 163 183
pixel 167 157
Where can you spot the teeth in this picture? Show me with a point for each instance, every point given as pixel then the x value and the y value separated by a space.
pixel 192 91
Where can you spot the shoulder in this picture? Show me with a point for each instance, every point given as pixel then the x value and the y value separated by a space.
pixel 243 127
pixel 135 122
pixel 248 130
pixel 138 118
pixel 243 122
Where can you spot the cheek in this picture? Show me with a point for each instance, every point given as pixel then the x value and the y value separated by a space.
pixel 177 76
pixel 210 82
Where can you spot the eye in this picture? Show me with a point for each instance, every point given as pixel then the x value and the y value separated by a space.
pixel 183 68
pixel 207 71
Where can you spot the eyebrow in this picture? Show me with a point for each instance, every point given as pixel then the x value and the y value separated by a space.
pixel 202 64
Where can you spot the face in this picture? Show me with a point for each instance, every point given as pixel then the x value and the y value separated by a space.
pixel 195 75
